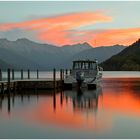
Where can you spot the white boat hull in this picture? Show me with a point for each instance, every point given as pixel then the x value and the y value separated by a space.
pixel 88 82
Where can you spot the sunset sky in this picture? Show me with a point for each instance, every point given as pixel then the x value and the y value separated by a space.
pixel 59 23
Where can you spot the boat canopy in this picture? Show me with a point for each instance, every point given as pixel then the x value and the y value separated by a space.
pixel 84 64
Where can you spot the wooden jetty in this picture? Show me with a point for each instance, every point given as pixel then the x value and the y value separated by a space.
pixel 11 84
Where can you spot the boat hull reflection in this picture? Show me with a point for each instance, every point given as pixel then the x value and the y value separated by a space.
pixel 84 99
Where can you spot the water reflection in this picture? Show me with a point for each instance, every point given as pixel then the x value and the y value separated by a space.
pixel 54 106
pixel 7 100
pixel 84 100
pixel 121 89
pixel 54 100
pixel 122 95
pixel 9 103
pixel 88 110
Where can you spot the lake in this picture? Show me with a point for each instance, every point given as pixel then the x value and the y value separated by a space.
pixel 110 111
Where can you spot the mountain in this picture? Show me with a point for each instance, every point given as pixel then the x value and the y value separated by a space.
pixel 76 48
pixel 99 53
pixel 26 54
pixel 126 60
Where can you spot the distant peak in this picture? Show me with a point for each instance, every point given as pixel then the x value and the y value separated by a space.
pixel 22 39
pixel 4 39
pixel 118 45
pixel 85 43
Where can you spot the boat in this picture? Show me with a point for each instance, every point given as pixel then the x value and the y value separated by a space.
pixel 84 73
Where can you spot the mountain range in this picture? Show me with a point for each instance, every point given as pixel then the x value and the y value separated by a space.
pixel 127 60
pixel 26 54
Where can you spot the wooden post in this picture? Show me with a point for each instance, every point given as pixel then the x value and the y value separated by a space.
pixel 28 74
pixel 61 75
pixel 8 78
pixel 37 74
pixel 13 74
pixel 21 74
pixel 54 78
pixel 0 75
pixel 66 72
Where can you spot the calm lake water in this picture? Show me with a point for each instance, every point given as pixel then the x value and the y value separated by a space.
pixel 110 111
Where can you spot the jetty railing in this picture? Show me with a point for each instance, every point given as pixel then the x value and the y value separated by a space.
pixel 29 74
pixel 11 79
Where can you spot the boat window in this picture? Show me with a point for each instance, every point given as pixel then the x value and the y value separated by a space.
pixel 94 66
pixel 79 66
pixel 90 65
pixel 84 65
pixel 76 66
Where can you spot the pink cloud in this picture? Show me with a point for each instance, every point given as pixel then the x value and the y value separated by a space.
pixel 115 36
pixel 61 22
pixel 64 29
pixel 58 29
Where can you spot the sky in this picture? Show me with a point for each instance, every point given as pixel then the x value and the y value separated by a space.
pixel 100 23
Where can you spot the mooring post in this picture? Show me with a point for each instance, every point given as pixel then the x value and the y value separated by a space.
pixel 66 72
pixel 8 76
pixel 13 76
pixel 21 74
pixel 61 75
pixel 0 75
pixel 37 74
pixel 28 74
pixel 54 78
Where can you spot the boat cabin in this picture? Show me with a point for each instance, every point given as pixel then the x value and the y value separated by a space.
pixel 84 65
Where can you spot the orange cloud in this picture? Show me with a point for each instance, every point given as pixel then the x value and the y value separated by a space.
pixel 115 36
pixel 59 29
pixel 61 22
pixel 66 29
